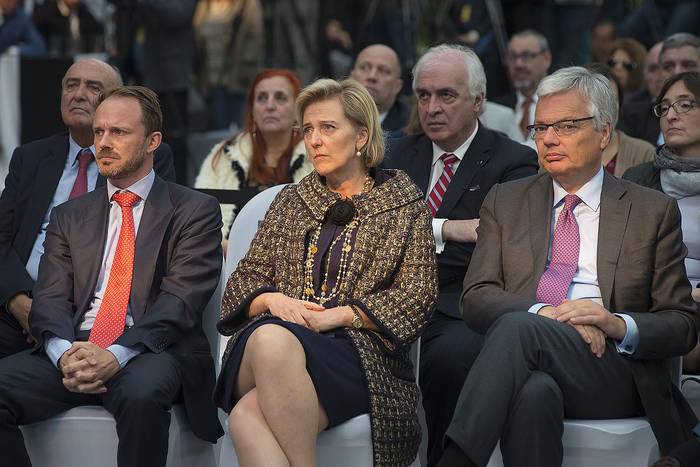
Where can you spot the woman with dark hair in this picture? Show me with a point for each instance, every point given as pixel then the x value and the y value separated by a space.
pixel 269 151
pixel 627 64
pixel 338 282
pixel 675 170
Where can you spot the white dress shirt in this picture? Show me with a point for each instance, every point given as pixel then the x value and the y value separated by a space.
pixel 584 284
pixel 436 170
pixel 56 346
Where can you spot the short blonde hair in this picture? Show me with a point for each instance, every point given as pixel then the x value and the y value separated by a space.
pixel 358 107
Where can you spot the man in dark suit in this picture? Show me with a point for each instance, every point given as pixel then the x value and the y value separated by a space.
pixel 377 67
pixel 578 282
pixel 449 84
pixel 42 175
pixel 127 271
pixel 528 60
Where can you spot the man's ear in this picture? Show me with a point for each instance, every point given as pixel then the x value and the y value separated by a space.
pixel 153 141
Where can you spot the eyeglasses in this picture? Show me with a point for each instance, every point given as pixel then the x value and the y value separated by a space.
pixel 525 56
pixel 561 128
pixel 627 65
pixel 681 106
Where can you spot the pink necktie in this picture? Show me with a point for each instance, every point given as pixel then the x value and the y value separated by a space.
pixel 438 191
pixel 556 279
pixel 80 185
pixel 110 319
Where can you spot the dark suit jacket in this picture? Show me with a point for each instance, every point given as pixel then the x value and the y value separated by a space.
pixel 638 120
pixel 35 169
pixel 641 272
pixel 177 266
pixel 492 158
pixel 397 117
pixel 509 100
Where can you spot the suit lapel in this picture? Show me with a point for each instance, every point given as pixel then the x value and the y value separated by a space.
pixel 477 155
pixel 422 163
pixel 155 220
pixel 43 189
pixel 614 214
pixel 89 240
pixel 540 199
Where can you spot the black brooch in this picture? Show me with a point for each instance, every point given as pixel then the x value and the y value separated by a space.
pixel 342 212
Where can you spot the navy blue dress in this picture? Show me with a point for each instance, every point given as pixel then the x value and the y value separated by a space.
pixel 331 358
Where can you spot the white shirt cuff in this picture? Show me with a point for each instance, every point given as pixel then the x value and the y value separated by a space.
pixel 537 307
pixel 437 233
pixel 124 354
pixel 55 347
pixel 628 345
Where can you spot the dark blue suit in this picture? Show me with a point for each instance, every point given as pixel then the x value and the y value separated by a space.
pixel 34 173
pixel 448 347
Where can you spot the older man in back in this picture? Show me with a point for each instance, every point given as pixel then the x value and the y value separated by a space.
pixel 455 161
pixel 44 174
pixel 377 67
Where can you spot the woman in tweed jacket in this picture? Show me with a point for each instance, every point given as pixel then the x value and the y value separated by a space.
pixel 338 282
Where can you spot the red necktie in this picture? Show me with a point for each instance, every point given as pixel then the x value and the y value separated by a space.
pixel 111 317
pixel 525 119
pixel 556 279
pixel 80 185
pixel 438 191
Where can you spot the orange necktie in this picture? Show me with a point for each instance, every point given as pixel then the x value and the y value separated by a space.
pixel 111 317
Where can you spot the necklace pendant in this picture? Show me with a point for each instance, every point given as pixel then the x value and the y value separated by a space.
pixel 314 249
pixel 324 289
pixel 308 291
pixel 347 248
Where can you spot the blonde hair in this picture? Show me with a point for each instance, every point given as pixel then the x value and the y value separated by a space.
pixel 358 107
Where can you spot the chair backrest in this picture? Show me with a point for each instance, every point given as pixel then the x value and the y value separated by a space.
pixel 210 316
pixel 246 225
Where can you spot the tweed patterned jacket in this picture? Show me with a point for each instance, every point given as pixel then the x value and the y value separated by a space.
pixel 392 278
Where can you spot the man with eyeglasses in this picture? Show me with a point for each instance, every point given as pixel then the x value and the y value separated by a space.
pixel 528 59
pixel 578 279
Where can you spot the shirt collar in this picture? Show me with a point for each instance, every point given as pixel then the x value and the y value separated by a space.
pixel 460 151
pixel 74 149
pixel 589 192
pixel 520 99
pixel 141 188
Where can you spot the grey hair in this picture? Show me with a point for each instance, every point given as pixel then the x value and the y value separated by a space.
pixel 473 66
pixel 592 86
pixel 680 39
pixel 539 38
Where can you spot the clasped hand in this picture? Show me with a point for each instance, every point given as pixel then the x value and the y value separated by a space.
pixel 592 321
pixel 86 368
pixel 308 314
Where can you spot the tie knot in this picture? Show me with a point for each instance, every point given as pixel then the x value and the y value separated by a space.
pixel 85 157
pixel 570 202
pixel 126 199
pixel 448 159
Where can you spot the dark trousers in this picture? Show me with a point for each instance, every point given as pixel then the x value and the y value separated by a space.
pixel 531 373
pixel 12 340
pixel 448 350
pixel 139 397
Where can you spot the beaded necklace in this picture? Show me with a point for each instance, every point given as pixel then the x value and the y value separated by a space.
pixel 345 238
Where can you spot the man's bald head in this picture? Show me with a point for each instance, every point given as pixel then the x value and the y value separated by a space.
pixel 378 68
pixel 82 85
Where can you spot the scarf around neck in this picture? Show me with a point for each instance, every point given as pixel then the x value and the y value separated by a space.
pixel 680 175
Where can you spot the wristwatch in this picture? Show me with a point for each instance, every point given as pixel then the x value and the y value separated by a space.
pixel 357 322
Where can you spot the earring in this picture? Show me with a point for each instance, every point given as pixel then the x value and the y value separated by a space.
pixel 358 154
pixel 255 130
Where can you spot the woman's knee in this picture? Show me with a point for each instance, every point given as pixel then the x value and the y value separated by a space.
pixel 244 415
pixel 271 344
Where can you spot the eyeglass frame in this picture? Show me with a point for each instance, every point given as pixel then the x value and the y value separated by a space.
pixel 526 57
pixel 558 132
pixel 694 103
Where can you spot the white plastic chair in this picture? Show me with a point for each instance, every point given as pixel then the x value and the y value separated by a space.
pixel 348 444
pixel 623 442
pixel 87 435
